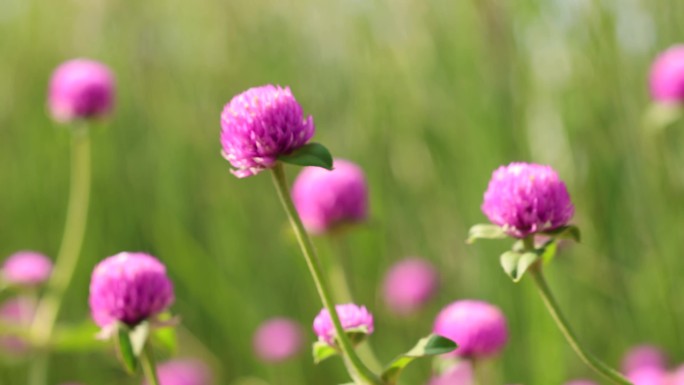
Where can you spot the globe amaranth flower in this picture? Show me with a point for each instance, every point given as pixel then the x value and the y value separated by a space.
pixel 479 328
pixel 410 284
pixel 459 374
pixel 129 288
pixel 644 356
pixel 326 199
pixel 667 76
pixel 278 339
pixel 525 198
pixel 26 268
pixel 17 312
pixel 183 372
pixel 648 376
pixel 81 89
pixel 261 124
pixel 351 317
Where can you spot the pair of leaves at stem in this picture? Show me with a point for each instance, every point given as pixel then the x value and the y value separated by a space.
pixel 311 154
pixel 431 345
pixel 489 231
pixel 323 351
pixel 130 344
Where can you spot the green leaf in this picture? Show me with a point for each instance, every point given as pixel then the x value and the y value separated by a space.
pixel 548 251
pixel 565 232
pixel 312 154
pixel 124 349
pixel 526 260
pixel 322 351
pixel 429 346
pixel 485 231
pixel 138 337
pixel 515 264
pixel 166 339
pixel 509 262
pixel 357 335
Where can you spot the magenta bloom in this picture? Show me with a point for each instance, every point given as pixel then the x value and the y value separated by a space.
pixel 643 356
pixel 647 376
pixel 667 76
pixel 351 316
pixel 581 382
pixel 129 288
pixel 326 199
pixel 278 339
pixel 19 312
pixel 261 124
pixel 409 284
pixel 478 328
pixel 459 374
pixel 183 372
pixel 525 198
pixel 81 89
pixel 26 268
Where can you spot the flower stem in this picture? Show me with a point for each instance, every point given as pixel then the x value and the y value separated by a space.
pixel 359 372
pixel 564 327
pixel 70 249
pixel 148 366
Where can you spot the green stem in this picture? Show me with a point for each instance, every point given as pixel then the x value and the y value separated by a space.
pixel 70 249
pixel 564 327
pixel 148 366
pixel 358 370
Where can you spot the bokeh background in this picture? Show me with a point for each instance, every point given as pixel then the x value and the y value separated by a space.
pixel 428 97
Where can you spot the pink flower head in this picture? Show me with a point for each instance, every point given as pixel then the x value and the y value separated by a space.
pixel 80 89
pixel 183 372
pixel 261 124
pixel 478 328
pixel 129 288
pixel 643 356
pixel 648 376
pixel 351 317
pixel 325 198
pixel 19 312
pixel 409 284
pixel 459 374
pixel 26 268
pixel 525 198
pixel 581 382
pixel 278 339
pixel 667 76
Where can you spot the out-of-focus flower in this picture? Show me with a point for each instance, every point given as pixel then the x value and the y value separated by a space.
pixel 459 374
pixel 183 372
pixel 81 89
pixel 326 199
pixel 647 376
pixel 581 382
pixel 667 76
pixel 351 317
pixel 643 356
pixel 129 288
pixel 278 339
pixel 16 312
pixel 478 328
pixel 261 124
pixel 525 198
pixel 26 268
pixel 409 284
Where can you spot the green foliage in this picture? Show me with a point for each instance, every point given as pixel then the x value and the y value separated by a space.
pixel 431 345
pixel 311 154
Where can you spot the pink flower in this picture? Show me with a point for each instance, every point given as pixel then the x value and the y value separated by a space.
pixel 129 288
pixel 459 374
pixel 17 312
pixel 325 199
pixel 478 328
pixel 647 376
pixel 351 317
pixel 526 198
pixel 261 124
pixel 26 268
pixel 409 284
pixel 278 339
pixel 643 356
pixel 183 372
pixel 667 76
pixel 80 89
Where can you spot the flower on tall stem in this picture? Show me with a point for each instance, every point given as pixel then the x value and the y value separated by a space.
pixel 278 339
pixel 81 89
pixel 644 356
pixel 409 284
pixel 667 76
pixel 26 268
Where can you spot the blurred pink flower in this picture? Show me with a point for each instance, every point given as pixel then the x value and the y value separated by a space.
pixel 643 356
pixel 278 339
pixel 183 372
pixel 351 316
pixel 648 376
pixel 667 76
pixel 81 89
pixel 459 374
pixel 26 268
pixel 409 284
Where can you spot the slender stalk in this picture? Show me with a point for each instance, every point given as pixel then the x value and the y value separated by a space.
pixel 70 249
pixel 564 326
pixel 148 366
pixel 359 372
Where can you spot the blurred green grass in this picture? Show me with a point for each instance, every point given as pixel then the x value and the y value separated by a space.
pixel 428 97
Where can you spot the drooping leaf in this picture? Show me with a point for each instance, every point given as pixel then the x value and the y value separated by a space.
pixel 429 346
pixel 485 231
pixel 312 154
pixel 124 349
pixel 322 351
pixel 509 262
pixel 565 232
pixel 515 264
pixel 526 260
